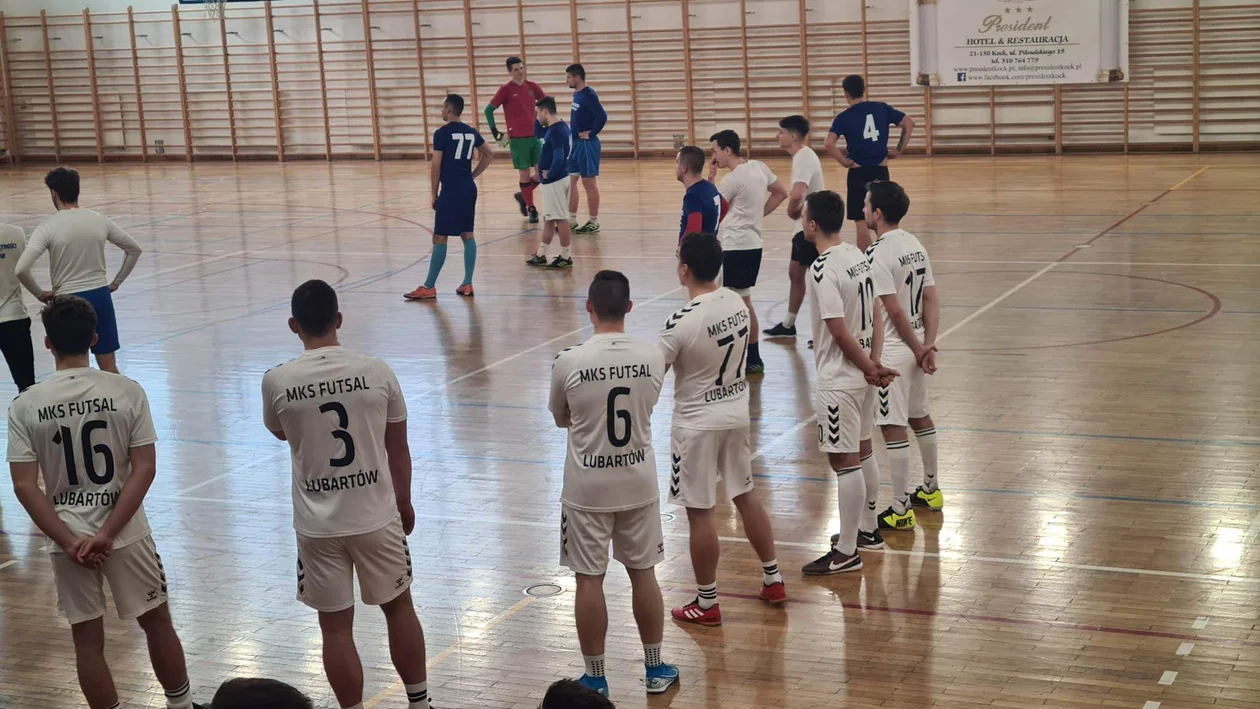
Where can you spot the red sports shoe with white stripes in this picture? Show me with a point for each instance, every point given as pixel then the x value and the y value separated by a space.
pixel 693 613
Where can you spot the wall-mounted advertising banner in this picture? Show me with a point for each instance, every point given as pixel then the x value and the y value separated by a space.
pixel 1014 42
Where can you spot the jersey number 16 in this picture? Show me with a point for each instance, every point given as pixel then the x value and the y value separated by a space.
pixel 63 437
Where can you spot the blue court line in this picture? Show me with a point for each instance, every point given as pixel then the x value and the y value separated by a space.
pixel 1109 437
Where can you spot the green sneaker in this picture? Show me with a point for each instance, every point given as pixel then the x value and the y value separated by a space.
pixel 561 262
pixel 536 260
pixel 587 228
pixel 573 226
pixel 758 368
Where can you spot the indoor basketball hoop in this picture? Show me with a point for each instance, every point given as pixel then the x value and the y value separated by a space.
pixel 214 8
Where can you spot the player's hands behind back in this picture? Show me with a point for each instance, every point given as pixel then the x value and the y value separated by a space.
pixel 881 376
pixel 927 361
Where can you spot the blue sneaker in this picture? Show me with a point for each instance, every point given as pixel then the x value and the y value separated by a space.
pixel 599 684
pixel 660 678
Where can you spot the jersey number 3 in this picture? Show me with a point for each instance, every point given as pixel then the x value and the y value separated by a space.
pixel 343 420
pixel 62 437
pixel 870 132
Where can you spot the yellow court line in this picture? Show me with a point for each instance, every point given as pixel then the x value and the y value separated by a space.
pixel 438 658
pixel 1198 172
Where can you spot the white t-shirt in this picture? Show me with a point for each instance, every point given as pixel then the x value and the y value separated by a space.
pixel 901 266
pixel 707 344
pixel 840 286
pixel 80 426
pixel 75 242
pixel 745 189
pixel 806 169
pixel 12 244
pixel 332 406
pixel 606 388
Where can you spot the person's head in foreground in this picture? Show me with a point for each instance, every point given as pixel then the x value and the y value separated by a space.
pixel 314 311
pixel 257 693
pixel 608 298
pixel 69 326
pixel 822 217
pixel 699 259
pixel 569 694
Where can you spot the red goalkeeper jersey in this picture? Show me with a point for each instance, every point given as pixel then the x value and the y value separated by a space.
pixel 518 102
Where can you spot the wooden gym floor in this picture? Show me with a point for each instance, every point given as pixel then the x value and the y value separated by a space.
pixel 1096 402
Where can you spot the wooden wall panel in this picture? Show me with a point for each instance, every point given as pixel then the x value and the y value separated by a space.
pixel 366 78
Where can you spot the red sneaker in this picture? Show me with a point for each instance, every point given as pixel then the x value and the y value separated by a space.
pixel 465 289
pixel 421 293
pixel 774 593
pixel 693 613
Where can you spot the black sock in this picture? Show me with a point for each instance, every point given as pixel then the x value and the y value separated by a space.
pixel 754 353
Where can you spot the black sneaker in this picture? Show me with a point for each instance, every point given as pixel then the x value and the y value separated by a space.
pixel 780 330
pixel 536 260
pixel 865 540
pixel 757 367
pixel 520 202
pixel 561 262
pixel 833 562
pixel 533 215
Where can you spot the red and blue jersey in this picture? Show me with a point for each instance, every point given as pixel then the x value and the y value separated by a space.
pixel 702 210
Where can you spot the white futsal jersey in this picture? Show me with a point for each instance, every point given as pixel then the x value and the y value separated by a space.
pixel 80 426
pixel 75 242
pixel 901 266
pixel 707 344
pixel 332 406
pixel 606 388
pixel 840 286
pixel 807 170
pixel 745 188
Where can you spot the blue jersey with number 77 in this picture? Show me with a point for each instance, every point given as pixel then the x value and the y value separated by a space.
pixel 457 141
pixel 864 126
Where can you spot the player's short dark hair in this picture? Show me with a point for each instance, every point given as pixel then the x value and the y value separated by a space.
pixel 726 139
pixel 258 693
pixel 890 199
pixel 456 102
pixel 512 61
pixel 65 182
pixel 796 124
pixel 702 253
pixel 576 70
pixel 314 307
pixel 571 694
pixel 547 103
pixel 70 323
pixel 854 85
pixel 692 159
pixel 610 295
pixel 827 209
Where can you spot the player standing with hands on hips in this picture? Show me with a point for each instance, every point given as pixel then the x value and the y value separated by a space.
pixel 864 125
pixel 586 120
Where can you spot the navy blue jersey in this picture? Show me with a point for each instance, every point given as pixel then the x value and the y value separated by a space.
pixel 702 210
pixel 587 113
pixel 555 153
pixel 864 126
pixel 457 141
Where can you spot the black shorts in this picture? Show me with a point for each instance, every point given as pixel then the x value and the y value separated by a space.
pixel 858 179
pixel 19 353
pixel 740 268
pixel 803 252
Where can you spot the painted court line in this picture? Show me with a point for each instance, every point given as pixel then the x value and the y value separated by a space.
pixel 203 262
pixel 8 563
pixel 1199 623
pixel 251 466
pixel 438 658
pixel 1184 649
pixel 1168 677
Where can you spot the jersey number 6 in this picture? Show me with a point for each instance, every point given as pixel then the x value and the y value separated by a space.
pixel 614 414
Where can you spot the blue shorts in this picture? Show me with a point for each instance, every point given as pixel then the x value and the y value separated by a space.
pixel 106 325
pixel 584 157
pixel 456 212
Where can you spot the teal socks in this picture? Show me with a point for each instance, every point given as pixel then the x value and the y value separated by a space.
pixel 435 264
pixel 470 259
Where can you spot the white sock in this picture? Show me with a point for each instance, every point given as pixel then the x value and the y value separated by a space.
pixel 851 493
pixel 770 572
pixel 927 449
pixel 706 595
pixel 789 320
pixel 593 220
pixel 899 461
pixel 870 477
pixel 572 217
pixel 417 695
pixel 179 698
pixel 565 252
pixel 594 665
pixel 652 655
pixel 542 251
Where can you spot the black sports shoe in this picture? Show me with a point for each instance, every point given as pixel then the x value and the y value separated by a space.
pixel 833 562
pixel 533 215
pixel 780 330
pixel 536 260
pixel 520 202
pixel 865 540
pixel 561 262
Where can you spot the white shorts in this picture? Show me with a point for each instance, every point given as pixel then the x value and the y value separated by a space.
pixel 326 568
pixel 555 206
pixel 844 418
pixel 700 459
pixel 136 581
pixel 906 398
pixel 636 536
